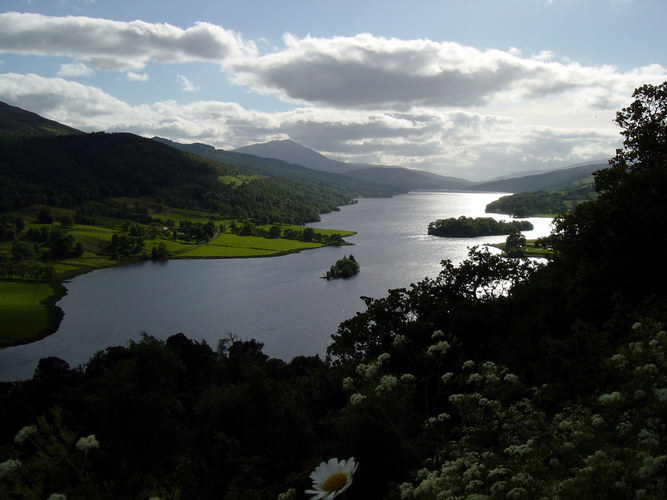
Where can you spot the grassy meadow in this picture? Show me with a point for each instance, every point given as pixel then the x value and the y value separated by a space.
pixel 23 313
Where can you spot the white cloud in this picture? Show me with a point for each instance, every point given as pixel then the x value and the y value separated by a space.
pixel 114 45
pixel 187 85
pixel 137 77
pixel 380 73
pixel 75 70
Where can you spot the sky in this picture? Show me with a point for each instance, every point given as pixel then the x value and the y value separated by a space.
pixel 473 89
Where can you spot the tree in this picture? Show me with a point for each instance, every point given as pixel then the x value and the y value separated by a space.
pixel 275 232
pixel 644 125
pixel 308 234
pixel 44 216
pixel 599 245
pixel 514 244
pixel 66 221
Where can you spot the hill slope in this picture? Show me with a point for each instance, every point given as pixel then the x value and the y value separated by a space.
pixel 404 178
pixel 395 178
pixel 16 122
pixel 549 181
pixel 293 171
pixel 292 152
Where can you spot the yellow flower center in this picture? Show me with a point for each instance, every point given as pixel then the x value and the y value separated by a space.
pixel 335 482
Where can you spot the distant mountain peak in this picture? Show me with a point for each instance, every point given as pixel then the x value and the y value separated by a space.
pixel 293 152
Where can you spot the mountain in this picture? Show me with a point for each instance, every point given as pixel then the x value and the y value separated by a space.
pixel 554 180
pixel 292 152
pixel 395 178
pixel 275 167
pixel 16 122
pixel 404 178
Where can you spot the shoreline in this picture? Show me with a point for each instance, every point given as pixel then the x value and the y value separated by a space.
pixel 55 314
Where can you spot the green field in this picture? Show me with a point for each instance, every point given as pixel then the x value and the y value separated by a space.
pixel 230 245
pixel 22 312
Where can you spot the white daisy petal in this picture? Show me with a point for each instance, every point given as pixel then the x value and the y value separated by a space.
pixel 332 478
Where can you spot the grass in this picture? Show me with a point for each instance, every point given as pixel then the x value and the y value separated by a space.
pixel 23 314
pixel 529 250
pixel 230 245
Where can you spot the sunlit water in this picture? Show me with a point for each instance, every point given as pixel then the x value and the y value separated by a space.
pixel 280 301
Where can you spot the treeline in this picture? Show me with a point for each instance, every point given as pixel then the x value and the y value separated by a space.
pixel 498 378
pixel 469 227
pixel 540 203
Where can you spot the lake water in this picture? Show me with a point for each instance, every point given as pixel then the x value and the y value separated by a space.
pixel 279 301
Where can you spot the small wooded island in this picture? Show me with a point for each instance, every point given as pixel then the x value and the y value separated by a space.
pixel 468 227
pixel 343 268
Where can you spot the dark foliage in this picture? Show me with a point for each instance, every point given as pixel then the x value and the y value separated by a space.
pixel 343 268
pixel 469 227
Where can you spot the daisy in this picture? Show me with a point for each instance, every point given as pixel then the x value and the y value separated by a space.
pixel 332 478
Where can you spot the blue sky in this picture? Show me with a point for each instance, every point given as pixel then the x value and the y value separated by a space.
pixel 468 88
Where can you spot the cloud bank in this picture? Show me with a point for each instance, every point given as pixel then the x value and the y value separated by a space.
pixel 439 106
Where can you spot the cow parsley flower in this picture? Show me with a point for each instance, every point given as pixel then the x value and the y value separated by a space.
pixel 332 478
pixel 9 467
pixel 25 433
pixel 87 443
pixel 357 399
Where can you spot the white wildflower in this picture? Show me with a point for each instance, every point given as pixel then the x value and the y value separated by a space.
pixel 383 357
pixel 25 433
pixel 649 369
pixel 407 378
pixel 510 378
pixel 597 421
pixel 357 399
pixel 436 349
pixel 614 397
pixel 60 496
pixel 399 340
pixel 87 443
pixel 636 326
pixel 474 378
pixel 9 467
pixel 288 495
pixel 406 490
pixel 468 364
pixel 332 478
pixel 387 383
pixel 367 371
pixel 660 395
pixel 438 334
pixel 447 377
pixel 348 383
pixel 619 360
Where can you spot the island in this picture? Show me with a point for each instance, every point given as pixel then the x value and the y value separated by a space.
pixel 343 268
pixel 469 227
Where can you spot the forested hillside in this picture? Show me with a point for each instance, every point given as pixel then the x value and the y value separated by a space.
pixel 16 122
pixel 279 168
pixel 496 379
pixel 66 170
